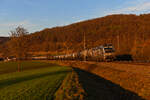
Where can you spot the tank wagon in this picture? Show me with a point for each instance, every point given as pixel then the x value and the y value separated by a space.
pixel 101 53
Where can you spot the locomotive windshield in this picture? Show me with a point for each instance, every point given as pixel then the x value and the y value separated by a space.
pixel 108 50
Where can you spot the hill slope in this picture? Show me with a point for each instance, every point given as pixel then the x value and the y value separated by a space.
pixel 130 34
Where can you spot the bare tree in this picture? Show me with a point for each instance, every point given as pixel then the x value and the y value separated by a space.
pixel 5 50
pixel 19 44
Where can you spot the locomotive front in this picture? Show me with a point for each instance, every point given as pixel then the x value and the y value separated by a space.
pixel 109 52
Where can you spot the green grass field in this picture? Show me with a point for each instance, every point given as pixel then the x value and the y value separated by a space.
pixel 36 81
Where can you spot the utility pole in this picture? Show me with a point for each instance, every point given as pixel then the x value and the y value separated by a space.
pixel 118 39
pixel 84 47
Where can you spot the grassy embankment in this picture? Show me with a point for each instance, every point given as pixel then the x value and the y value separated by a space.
pixel 36 81
pixel 125 81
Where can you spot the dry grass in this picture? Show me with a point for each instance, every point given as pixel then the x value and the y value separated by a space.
pixel 132 77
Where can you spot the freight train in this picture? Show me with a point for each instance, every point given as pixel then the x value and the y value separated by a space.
pixel 101 53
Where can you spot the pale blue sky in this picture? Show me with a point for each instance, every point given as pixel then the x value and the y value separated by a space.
pixel 36 15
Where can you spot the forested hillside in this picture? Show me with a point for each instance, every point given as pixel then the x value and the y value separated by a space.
pixel 130 34
pixel 3 39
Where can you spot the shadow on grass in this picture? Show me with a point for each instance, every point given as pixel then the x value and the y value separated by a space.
pixel 98 88
pixel 5 83
pixel 11 70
